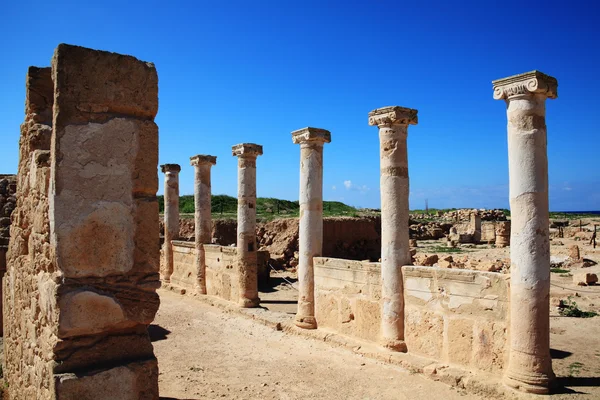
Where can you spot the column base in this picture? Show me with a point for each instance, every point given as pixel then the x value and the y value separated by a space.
pixel 201 290
pixel 395 345
pixel 305 322
pixel 529 383
pixel 249 303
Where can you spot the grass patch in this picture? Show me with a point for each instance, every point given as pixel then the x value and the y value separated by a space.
pixel 570 309
pixel 559 270
pixel 575 368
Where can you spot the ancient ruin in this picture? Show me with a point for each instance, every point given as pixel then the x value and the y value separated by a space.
pixel 171 199
pixel 530 364
pixel 80 243
pixel 393 125
pixel 76 309
pixel 202 216
pixel 247 262
pixel 311 141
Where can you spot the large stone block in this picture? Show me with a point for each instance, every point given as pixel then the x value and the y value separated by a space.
pixel 424 332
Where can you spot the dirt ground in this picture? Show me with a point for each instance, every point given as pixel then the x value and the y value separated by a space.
pixel 205 353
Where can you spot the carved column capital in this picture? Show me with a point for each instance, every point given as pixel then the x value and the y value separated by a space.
pixel 247 150
pixel 393 115
pixel 203 159
pixel 311 136
pixel 525 84
pixel 170 168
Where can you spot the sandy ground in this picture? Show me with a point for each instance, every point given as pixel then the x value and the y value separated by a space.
pixel 205 353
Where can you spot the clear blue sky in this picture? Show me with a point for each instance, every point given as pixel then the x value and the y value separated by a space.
pixel 253 71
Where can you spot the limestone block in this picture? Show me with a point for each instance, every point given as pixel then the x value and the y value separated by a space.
pixel 134 381
pixel 459 340
pixel 489 345
pixel 424 332
pixel 574 252
pixel 368 319
pixel 585 278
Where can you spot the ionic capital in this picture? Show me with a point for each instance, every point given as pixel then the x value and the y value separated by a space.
pixel 247 150
pixel 170 168
pixel 311 135
pixel 393 115
pixel 525 84
pixel 203 159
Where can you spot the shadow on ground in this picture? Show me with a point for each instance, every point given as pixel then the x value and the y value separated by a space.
pixel 157 333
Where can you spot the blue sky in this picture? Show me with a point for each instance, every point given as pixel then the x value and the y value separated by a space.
pixel 253 71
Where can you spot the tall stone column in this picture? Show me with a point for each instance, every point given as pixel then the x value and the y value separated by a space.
pixel 393 131
pixel 246 223
pixel 202 216
pixel 530 366
pixel 311 142
pixel 171 216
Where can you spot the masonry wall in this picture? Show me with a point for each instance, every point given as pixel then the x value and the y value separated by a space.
pixel 456 316
pixel 8 202
pixel 452 316
pixel 221 278
pixel 347 297
pixel 80 288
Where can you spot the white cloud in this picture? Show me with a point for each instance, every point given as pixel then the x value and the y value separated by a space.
pixel 358 188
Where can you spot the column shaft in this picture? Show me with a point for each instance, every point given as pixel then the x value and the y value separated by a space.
pixel 529 359
pixel 395 250
pixel 530 365
pixel 246 232
pixel 202 214
pixel 171 216
pixel 311 142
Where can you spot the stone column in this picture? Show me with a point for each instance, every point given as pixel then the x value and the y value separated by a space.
pixel 530 366
pixel 171 216
pixel 393 130
pixel 475 226
pixel 311 142
pixel 202 216
pixel 246 223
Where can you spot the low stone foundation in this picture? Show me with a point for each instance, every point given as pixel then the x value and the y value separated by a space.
pixel 456 317
pixel 221 276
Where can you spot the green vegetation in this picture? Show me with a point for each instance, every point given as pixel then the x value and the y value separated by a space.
pixel 570 309
pixel 445 249
pixel 559 270
pixel 571 216
pixel 575 368
pixel 223 206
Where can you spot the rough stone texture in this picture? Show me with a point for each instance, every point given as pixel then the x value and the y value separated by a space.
pixel 77 308
pixel 246 227
pixel 311 142
pixel 585 278
pixel 530 364
pixel 8 202
pixel 502 232
pixel 348 296
pixel 202 217
pixel 171 172
pixel 221 276
pixel 457 316
pixel 393 125
pixel 451 316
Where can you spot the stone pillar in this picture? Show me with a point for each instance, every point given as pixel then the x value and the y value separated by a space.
pixel 530 366
pixel 202 216
pixel 171 216
pixel 475 226
pixel 393 131
pixel 80 289
pixel 311 142
pixel 502 232
pixel 246 223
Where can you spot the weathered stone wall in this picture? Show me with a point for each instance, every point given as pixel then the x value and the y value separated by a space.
pixel 456 316
pixel 80 288
pixel 347 297
pixel 221 277
pixel 451 316
pixel 8 202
